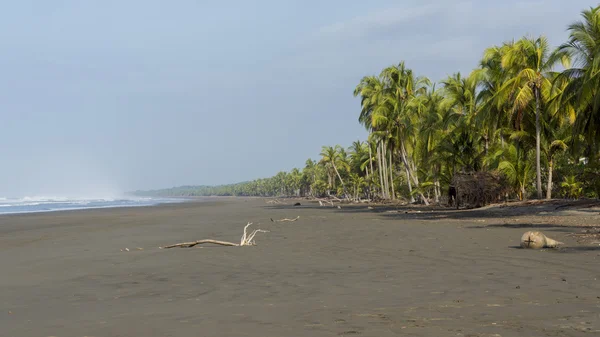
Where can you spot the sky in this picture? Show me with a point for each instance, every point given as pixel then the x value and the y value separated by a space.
pixel 102 97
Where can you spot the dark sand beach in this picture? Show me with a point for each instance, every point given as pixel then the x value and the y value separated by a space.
pixel 350 271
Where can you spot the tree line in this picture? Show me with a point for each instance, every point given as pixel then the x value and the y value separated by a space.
pixel 528 112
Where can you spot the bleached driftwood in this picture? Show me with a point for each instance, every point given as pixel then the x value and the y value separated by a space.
pixel 322 201
pixel 286 220
pixel 274 201
pixel 247 240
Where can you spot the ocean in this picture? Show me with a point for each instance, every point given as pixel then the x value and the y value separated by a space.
pixel 53 204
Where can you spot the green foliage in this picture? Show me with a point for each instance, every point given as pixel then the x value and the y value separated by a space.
pixel 571 188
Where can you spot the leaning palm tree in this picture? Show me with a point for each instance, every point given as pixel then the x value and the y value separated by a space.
pixel 531 62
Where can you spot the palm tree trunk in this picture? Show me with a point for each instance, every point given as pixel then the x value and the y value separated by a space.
pixel 385 173
pixel 414 169
pixel 370 157
pixel 412 198
pixel 437 182
pixel 391 177
pixel 380 171
pixel 341 181
pixel 537 144
pixel 549 186
pixel 407 169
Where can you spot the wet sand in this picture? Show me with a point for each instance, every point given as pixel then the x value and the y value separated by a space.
pixel 350 271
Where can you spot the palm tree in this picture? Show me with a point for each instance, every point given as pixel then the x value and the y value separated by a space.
pixel 330 156
pixel 466 137
pixel 557 128
pixel 531 62
pixel 372 92
pixel 402 117
pixel 513 163
pixel 583 89
pixel 431 131
pixel 387 114
pixel 359 157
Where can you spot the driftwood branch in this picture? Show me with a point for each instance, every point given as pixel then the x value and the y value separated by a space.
pixel 274 201
pixel 246 240
pixel 286 220
pixel 199 242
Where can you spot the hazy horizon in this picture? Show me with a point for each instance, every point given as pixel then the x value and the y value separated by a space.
pixel 106 97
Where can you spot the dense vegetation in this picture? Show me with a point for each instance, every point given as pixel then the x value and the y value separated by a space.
pixel 515 114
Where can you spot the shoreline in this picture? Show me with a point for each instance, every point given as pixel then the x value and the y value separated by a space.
pixel 84 208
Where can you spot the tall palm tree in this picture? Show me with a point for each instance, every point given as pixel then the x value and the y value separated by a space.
pixel 583 90
pixel 404 87
pixel 371 89
pixel 431 132
pixel 531 62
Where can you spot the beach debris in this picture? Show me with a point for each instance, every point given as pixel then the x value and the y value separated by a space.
pixel 286 219
pixel 297 204
pixel 323 201
pixel 537 240
pixel 339 207
pixel 247 240
pixel 125 250
pixel 274 201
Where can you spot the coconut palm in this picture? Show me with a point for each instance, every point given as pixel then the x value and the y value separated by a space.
pixel 331 157
pixel 372 91
pixel 530 63
pixel 583 89
pixel 515 166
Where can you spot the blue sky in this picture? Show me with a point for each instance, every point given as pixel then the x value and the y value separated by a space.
pixel 98 97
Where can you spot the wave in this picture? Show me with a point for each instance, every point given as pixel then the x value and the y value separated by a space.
pixel 21 204
pixel 49 204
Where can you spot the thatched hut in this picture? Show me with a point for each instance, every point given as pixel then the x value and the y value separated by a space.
pixel 477 189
